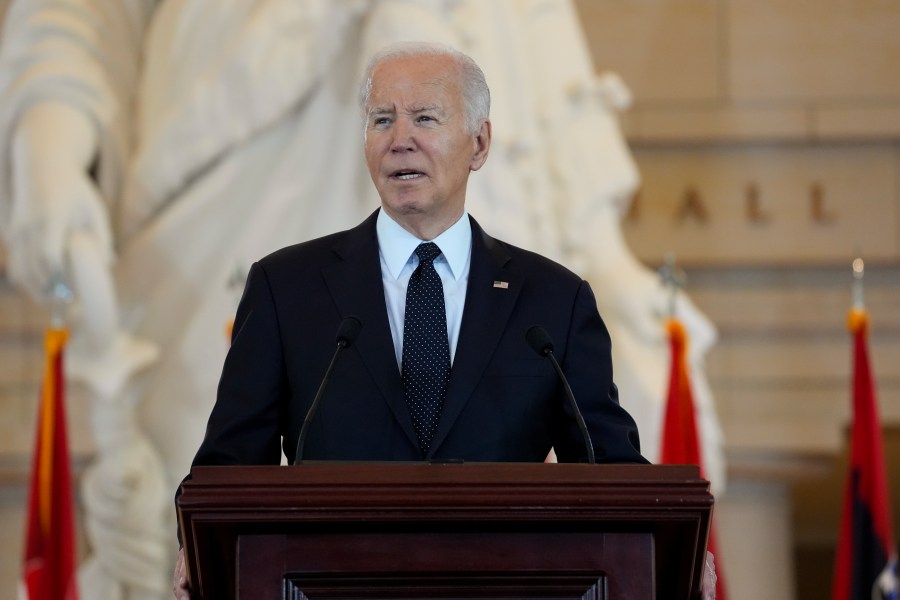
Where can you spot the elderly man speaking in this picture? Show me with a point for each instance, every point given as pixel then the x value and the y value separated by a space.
pixel 419 277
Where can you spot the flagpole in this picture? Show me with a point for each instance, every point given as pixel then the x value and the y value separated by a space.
pixel 61 298
pixel 49 561
pixel 866 555
pixel 859 270
pixel 673 279
pixel 681 441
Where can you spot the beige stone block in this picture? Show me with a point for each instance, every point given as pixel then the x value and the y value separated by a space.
pixel 812 50
pixel 809 418
pixel 807 421
pixel 766 205
pixel 889 404
pixel 769 303
pixel 664 50
pixel 19 406
pixel 13 500
pixel 18 314
pixel 816 362
pixel 776 361
pixel 857 123
pixel 712 124
pixel 21 360
pixel 747 308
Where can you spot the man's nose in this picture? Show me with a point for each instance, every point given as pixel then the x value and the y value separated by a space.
pixel 404 137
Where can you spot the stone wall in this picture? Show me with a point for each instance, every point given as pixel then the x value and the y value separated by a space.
pixel 768 137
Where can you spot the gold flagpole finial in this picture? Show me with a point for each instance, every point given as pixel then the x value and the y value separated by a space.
pixel 859 268
pixel 673 278
pixel 60 297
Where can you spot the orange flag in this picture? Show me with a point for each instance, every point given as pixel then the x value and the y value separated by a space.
pixel 680 440
pixel 49 569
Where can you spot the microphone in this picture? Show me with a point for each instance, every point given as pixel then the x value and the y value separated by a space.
pixel 540 342
pixel 346 335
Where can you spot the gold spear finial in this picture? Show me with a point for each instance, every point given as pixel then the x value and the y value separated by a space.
pixel 859 268
pixel 673 278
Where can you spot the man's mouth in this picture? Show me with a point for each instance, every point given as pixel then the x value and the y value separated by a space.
pixel 407 174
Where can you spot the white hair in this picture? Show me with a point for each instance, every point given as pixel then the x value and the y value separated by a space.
pixel 475 92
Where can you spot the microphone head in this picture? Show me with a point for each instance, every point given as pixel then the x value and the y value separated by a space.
pixel 348 331
pixel 539 340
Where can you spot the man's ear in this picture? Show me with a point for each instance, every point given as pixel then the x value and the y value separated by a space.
pixel 481 143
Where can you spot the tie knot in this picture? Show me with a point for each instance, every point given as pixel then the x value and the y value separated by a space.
pixel 427 252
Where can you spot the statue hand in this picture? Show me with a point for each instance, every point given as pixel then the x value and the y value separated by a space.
pixel 53 196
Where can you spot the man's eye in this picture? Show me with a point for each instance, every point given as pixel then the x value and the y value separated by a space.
pixel 423 118
pixel 381 121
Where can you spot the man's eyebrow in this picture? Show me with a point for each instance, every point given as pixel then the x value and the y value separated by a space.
pixel 381 110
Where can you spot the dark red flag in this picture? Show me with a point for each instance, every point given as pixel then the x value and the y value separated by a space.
pixel 866 561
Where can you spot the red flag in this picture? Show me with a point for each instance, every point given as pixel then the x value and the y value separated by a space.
pixel 866 561
pixel 680 440
pixel 49 569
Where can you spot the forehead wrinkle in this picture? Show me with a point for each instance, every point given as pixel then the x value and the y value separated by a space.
pixel 447 82
pixel 416 109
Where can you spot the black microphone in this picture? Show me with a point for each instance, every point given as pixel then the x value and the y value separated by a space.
pixel 346 335
pixel 540 341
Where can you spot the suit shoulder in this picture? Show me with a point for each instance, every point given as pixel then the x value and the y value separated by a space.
pixel 317 252
pixel 537 264
pixel 301 252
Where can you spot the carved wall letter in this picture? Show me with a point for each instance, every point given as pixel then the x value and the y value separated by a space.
pixel 818 212
pixel 692 205
pixel 752 202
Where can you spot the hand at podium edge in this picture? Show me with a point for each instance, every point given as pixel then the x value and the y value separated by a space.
pixel 179 579
pixel 708 584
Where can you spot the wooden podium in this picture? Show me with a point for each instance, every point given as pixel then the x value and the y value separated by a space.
pixel 475 530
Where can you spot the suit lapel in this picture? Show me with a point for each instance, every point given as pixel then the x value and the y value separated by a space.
pixel 355 284
pixel 487 310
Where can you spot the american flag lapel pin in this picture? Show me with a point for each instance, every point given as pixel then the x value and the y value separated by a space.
pixel 503 285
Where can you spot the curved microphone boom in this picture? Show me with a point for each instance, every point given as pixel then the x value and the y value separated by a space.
pixel 540 342
pixel 346 335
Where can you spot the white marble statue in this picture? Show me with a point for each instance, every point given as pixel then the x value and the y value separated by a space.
pixel 126 497
pixel 161 146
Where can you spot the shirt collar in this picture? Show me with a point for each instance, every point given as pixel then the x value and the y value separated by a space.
pixel 397 244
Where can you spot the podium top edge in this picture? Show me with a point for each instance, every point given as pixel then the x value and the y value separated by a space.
pixel 493 473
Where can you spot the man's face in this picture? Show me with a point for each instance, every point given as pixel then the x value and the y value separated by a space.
pixel 418 149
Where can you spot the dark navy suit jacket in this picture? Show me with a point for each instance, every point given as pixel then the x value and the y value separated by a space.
pixel 504 402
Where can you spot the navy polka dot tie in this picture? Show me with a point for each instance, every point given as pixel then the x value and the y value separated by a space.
pixel 426 351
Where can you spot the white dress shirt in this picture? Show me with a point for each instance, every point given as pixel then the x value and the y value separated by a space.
pixel 396 246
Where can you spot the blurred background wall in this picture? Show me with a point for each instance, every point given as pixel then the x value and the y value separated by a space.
pixel 768 138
